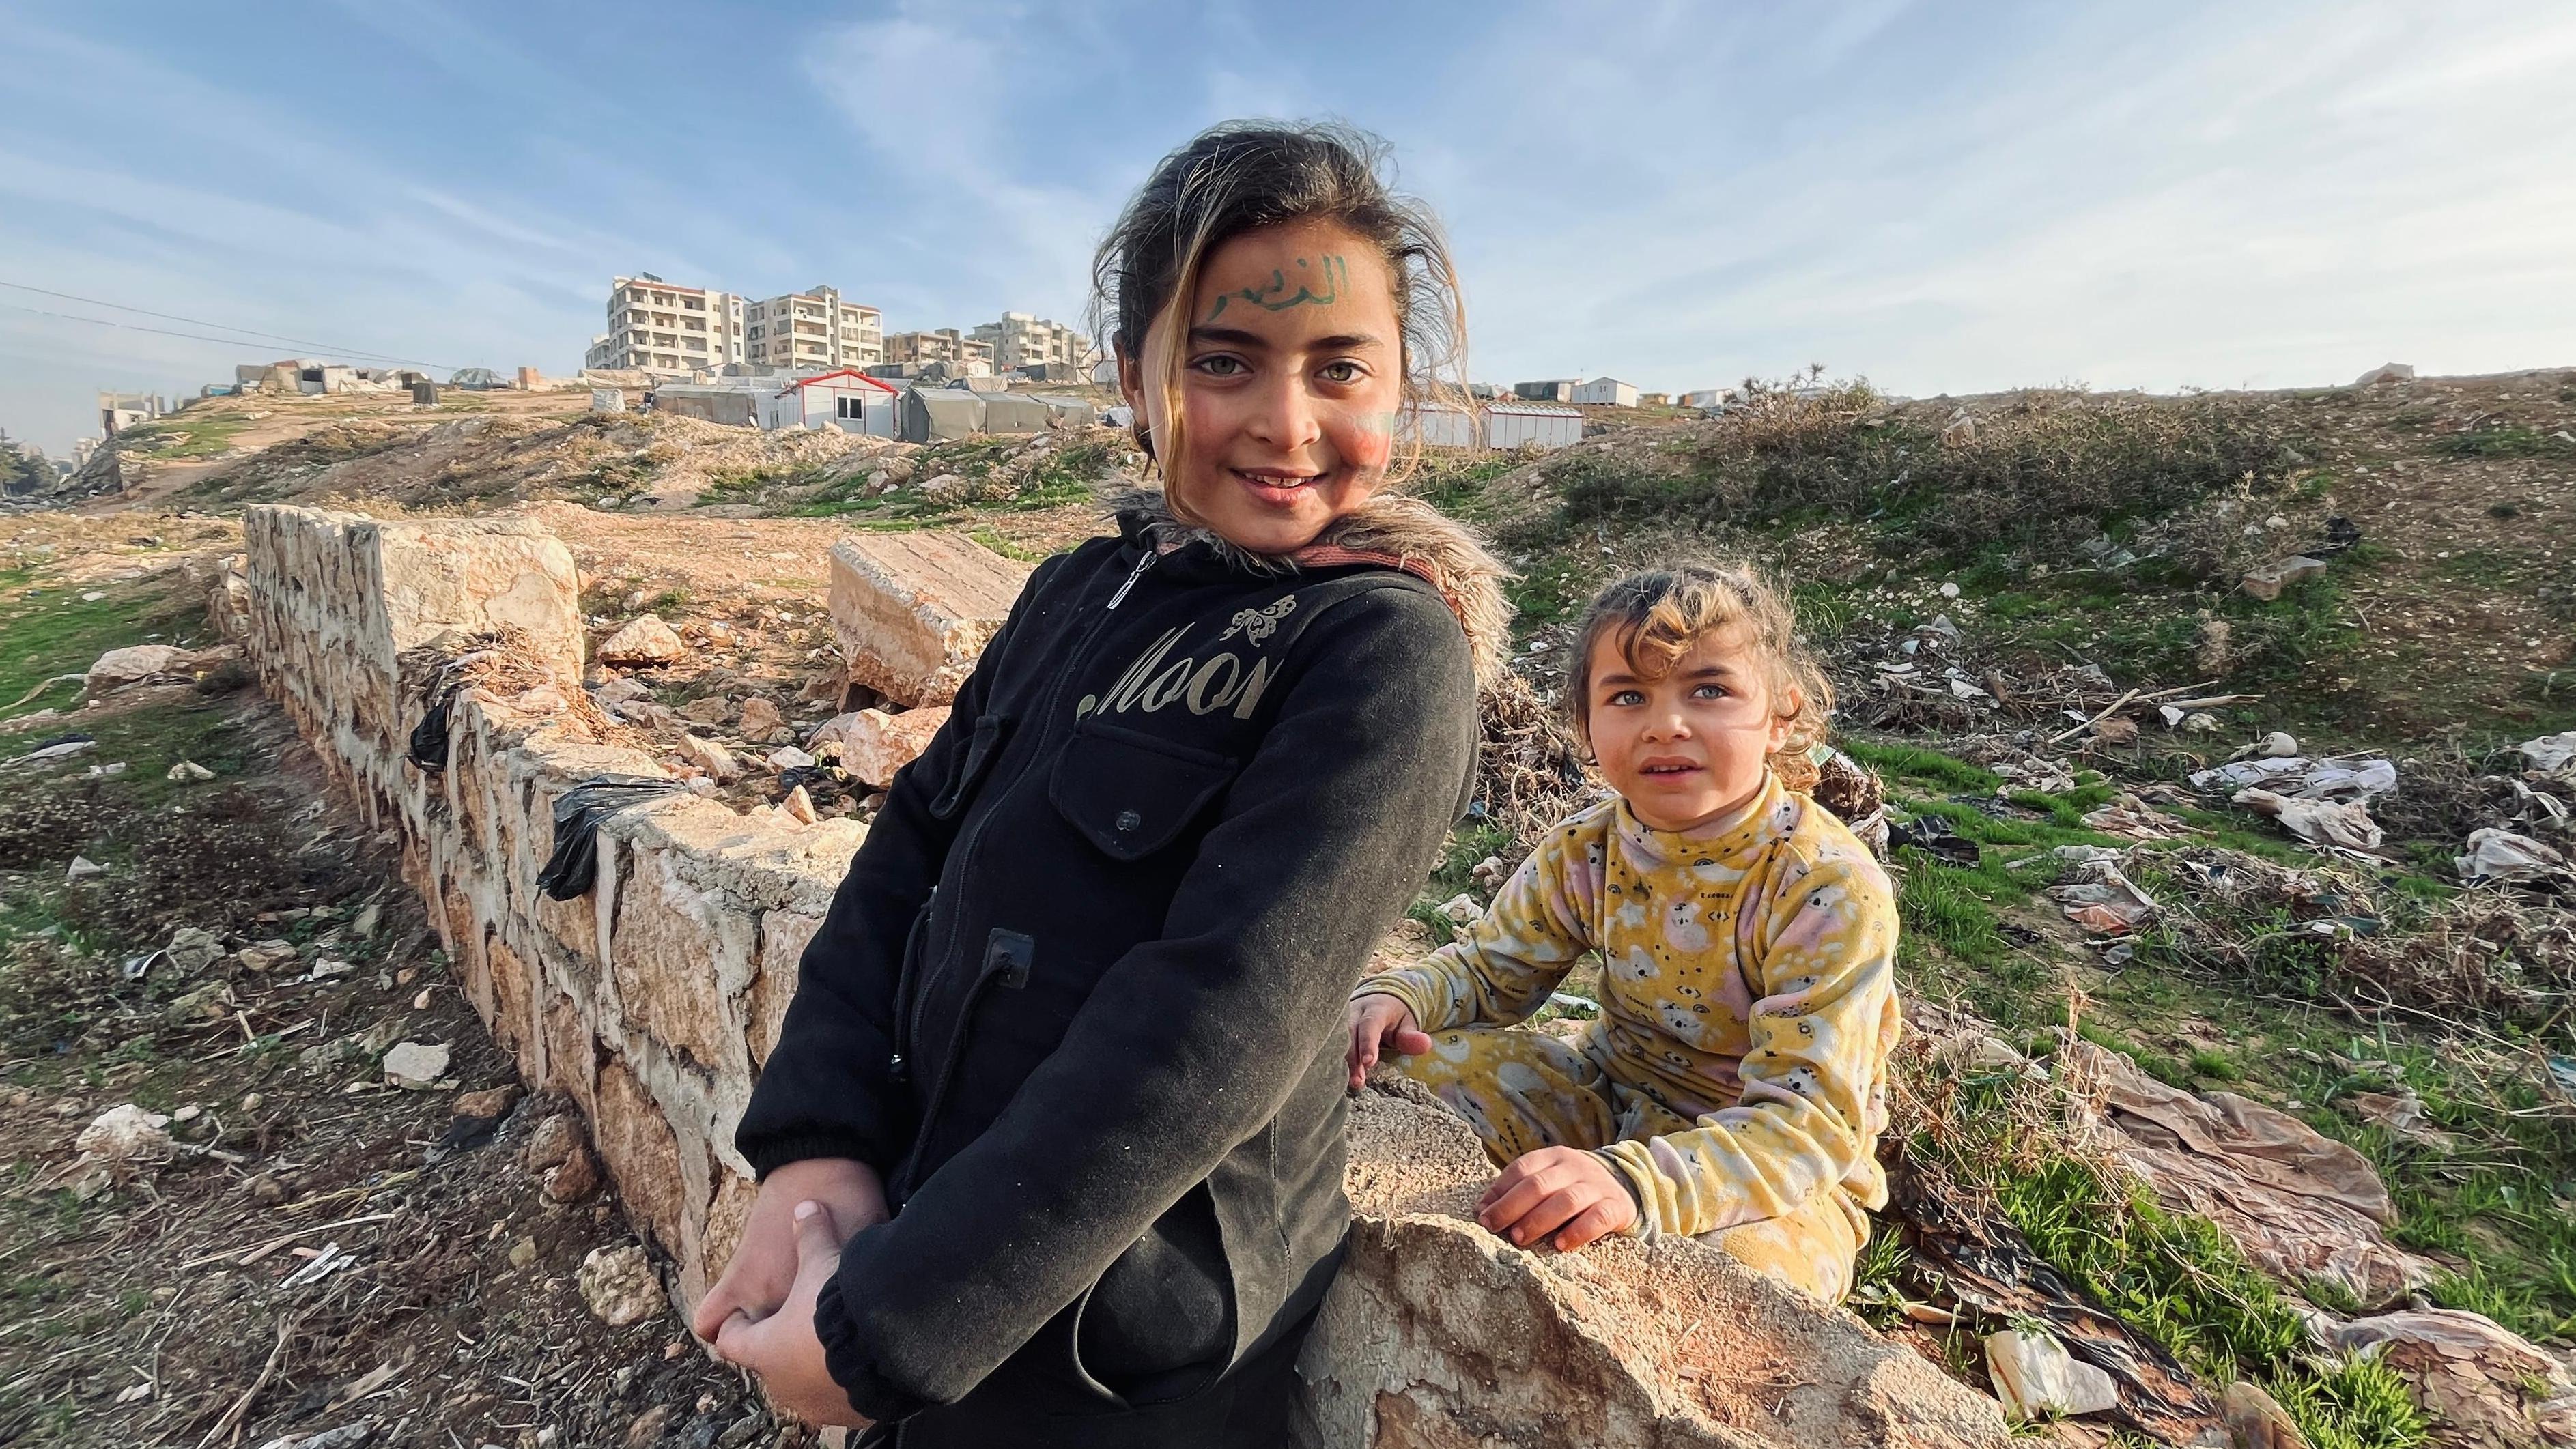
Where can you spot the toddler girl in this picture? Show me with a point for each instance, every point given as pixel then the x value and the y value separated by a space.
pixel 1734 1085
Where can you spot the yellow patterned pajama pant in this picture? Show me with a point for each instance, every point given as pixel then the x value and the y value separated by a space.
pixel 1522 1090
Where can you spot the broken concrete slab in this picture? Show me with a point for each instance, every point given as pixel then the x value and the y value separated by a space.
pixel 2267 582
pixel 913 611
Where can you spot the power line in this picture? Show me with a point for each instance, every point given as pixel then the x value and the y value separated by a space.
pixel 195 322
pixel 192 336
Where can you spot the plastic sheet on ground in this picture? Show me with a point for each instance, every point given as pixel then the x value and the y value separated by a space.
pixel 2335 777
pixel 2133 819
pixel 2299 1204
pixel 578 811
pixel 2344 825
pixel 1998 1280
pixel 2496 856
pixel 2551 753
pixel 2102 900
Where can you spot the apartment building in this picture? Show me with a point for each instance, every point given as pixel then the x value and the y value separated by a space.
pixel 1021 340
pixel 815 329
pixel 966 356
pixel 662 327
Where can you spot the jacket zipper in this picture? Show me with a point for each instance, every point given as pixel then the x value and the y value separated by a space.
pixel 900 1064
pixel 974 836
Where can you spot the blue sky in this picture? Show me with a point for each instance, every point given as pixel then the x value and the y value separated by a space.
pixel 1940 197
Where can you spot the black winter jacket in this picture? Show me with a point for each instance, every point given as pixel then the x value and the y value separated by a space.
pixel 1079 998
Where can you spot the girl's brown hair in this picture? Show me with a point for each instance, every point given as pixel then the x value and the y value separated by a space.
pixel 1245 175
pixel 1658 617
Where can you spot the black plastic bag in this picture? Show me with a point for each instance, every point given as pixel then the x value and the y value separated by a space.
pixel 429 737
pixel 578 812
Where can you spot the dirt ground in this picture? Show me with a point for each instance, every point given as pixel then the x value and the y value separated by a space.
pixel 313 1248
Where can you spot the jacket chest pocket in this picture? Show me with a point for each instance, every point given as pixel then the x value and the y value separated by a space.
pixel 1130 793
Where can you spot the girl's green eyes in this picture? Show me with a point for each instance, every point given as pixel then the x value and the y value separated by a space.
pixel 1225 365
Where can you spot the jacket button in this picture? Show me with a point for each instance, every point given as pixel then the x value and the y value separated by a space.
pixel 1129 820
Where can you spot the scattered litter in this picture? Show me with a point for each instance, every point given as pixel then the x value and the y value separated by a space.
pixel 82 868
pixel 2496 856
pixel 2549 753
pixel 328 968
pixel 2336 777
pixel 2401 1113
pixel 2103 900
pixel 578 812
pixel 2345 826
pixel 1934 836
pixel 54 749
pixel 2037 1379
pixel 187 771
pixel 329 1260
pixel 1572 1004
pixel 1461 908
pixel 2133 819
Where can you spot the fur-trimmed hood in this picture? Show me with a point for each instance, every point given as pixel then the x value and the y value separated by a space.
pixel 1391 530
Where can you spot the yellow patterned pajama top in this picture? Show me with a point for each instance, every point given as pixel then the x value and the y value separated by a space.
pixel 1737 1075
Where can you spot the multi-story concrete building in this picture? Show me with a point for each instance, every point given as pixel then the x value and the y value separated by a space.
pixel 657 326
pixel 966 356
pixel 1021 340
pixel 815 329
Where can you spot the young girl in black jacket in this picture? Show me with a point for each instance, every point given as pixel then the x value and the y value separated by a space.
pixel 1051 1142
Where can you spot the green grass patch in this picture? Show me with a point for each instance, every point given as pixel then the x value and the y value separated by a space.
pixel 2501 443
pixel 1906 764
pixel 180 435
pixel 51 631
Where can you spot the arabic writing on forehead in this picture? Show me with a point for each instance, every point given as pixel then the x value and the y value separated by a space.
pixel 1331 271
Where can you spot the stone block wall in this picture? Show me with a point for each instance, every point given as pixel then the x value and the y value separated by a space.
pixel 653 1001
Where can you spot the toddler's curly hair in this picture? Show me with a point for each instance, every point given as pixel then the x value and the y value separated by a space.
pixel 1658 616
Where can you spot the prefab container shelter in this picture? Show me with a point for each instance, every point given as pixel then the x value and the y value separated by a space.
pixel 1513 425
pixel 1606 392
pixel 840 399
pixel 1437 426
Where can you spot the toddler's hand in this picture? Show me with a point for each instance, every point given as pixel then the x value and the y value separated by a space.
pixel 1378 1020
pixel 1565 1191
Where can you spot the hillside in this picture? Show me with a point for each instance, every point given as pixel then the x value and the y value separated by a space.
pixel 2035 611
